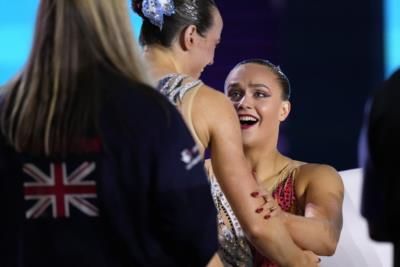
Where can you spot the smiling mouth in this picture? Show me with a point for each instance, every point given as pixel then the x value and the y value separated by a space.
pixel 247 121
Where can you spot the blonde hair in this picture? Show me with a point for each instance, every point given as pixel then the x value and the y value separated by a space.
pixel 56 96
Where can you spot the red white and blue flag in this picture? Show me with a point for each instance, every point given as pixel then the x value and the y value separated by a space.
pixel 57 189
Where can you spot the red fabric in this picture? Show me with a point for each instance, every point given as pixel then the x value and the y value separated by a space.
pixel 286 197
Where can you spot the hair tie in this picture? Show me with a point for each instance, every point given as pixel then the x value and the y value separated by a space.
pixel 155 10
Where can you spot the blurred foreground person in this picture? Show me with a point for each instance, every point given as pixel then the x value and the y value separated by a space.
pixel 88 175
pixel 380 142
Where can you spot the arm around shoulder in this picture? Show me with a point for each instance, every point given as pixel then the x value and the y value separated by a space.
pixel 228 161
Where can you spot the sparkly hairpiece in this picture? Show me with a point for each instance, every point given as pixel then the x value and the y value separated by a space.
pixel 155 10
pixel 279 70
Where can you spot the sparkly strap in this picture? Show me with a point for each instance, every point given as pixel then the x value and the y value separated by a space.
pixel 220 199
pixel 173 87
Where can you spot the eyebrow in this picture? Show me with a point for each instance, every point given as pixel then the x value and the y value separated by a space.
pixel 260 85
pixel 252 85
pixel 233 85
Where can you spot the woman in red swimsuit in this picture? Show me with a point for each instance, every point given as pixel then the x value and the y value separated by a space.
pixel 307 198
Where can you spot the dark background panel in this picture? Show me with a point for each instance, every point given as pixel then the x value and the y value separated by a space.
pixel 332 53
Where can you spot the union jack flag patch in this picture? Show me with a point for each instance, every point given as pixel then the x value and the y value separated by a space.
pixel 57 189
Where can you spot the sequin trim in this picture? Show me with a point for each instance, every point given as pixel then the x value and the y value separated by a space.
pixel 172 86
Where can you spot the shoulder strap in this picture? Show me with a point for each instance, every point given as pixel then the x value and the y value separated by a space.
pixel 174 87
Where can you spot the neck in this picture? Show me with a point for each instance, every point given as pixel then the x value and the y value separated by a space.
pixel 162 61
pixel 265 161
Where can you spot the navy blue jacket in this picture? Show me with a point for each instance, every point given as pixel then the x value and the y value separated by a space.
pixel 139 198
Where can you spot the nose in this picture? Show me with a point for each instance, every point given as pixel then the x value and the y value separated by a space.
pixel 244 103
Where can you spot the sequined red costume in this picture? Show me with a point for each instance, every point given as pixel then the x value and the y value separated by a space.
pixel 234 249
pixel 285 195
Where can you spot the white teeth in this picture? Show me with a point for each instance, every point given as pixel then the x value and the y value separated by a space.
pixel 247 118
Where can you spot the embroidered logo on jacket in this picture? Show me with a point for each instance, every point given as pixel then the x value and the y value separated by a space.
pixel 191 157
pixel 59 188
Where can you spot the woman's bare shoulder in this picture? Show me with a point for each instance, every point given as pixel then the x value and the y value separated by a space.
pixel 306 168
pixel 315 173
pixel 211 95
pixel 319 182
pixel 210 102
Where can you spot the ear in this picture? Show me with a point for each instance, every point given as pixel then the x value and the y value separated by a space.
pixel 285 110
pixel 188 37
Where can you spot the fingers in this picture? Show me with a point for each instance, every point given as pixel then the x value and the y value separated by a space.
pixel 267 196
pixel 270 206
pixel 255 194
pixel 274 210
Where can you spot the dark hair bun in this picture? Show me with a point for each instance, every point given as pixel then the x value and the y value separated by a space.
pixel 137 7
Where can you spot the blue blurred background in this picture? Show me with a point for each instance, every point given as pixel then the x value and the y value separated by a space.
pixel 17 19
pixel 335 54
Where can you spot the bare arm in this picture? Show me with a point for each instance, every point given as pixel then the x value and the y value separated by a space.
pixel 215 261
pixel 233 173
pixel 319 229
pixel 282 249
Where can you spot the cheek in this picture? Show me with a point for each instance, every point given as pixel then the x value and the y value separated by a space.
pixel 209 50
pixel 269 113
pixel 203 55
pixel 212 50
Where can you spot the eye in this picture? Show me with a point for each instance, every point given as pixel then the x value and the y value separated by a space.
pixel 261 94
pixel 235 95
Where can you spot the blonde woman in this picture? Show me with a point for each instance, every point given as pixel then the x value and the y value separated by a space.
pixel 88 175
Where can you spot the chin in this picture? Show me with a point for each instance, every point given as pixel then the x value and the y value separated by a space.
pixel 247 143
pixel 251 141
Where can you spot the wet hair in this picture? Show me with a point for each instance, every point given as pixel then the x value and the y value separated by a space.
pixel 187 12
pixel 283 79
